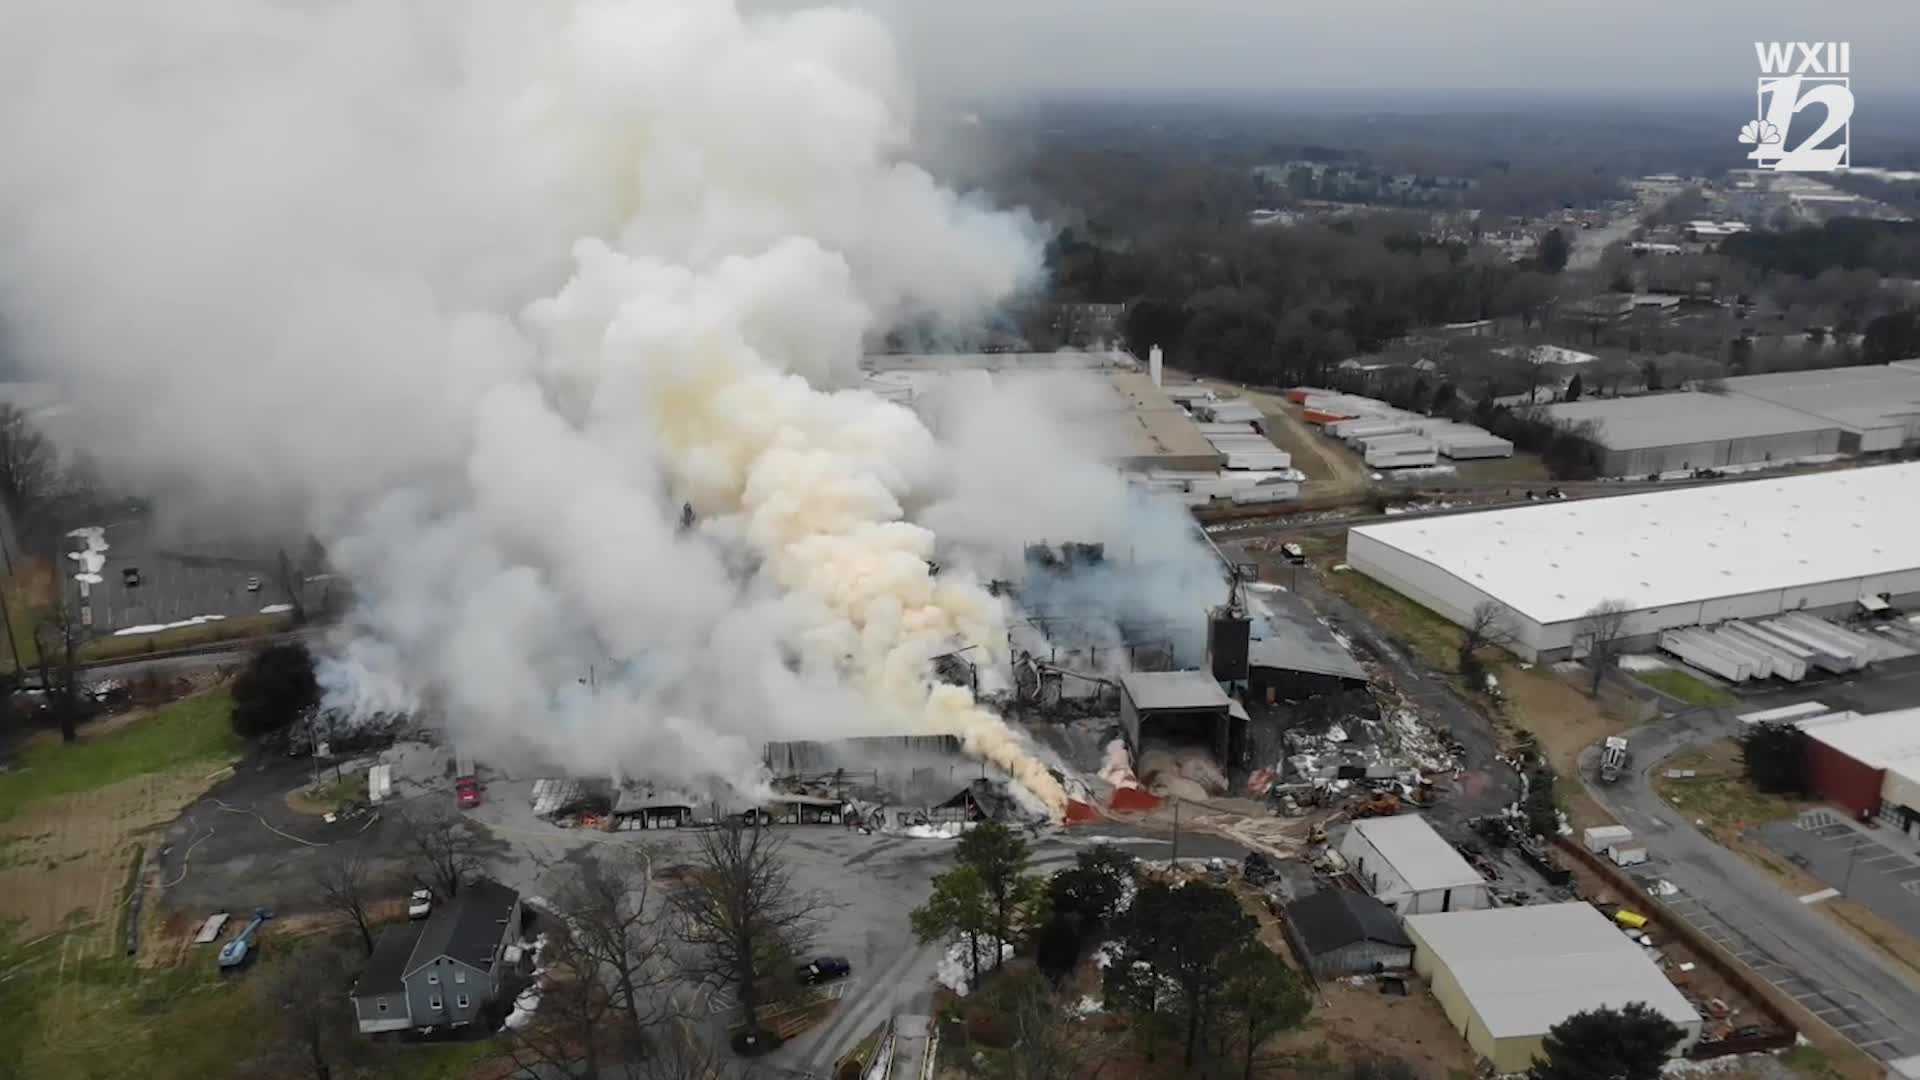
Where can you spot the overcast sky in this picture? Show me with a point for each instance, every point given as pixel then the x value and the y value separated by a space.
pixel 1600 48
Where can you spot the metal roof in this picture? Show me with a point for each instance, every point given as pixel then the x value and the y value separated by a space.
pixel 1554 561
pixel 467 928
pixel 1335 918
pixel 1417 853
pixel 1290 637
pixel 1525 969
pixel 391 950
pixel 1679 419
pixel 1877 740
pixel 1855 398
pixel 1153 690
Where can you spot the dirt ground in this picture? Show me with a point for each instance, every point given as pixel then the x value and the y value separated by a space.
pixel 67 861
pixel 1565 721
pixel 1359 1023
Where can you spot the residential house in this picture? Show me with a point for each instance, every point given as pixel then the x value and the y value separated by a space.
pixel 1349 933
pixel 444 971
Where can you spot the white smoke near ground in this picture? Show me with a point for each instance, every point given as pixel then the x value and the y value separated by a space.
pixel 489 290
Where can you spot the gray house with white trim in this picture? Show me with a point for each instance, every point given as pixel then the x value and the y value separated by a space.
pixel 444 971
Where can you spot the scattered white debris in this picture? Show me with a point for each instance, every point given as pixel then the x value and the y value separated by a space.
pixel 955 970
pixel 524 1007
pixel 154 628
pixel 1086 1006
pixel 276 609
pixel 1642 662
pixel 1663 887
pixel 946 830
pixel 92 557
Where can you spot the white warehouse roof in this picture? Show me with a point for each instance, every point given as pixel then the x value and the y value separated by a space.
pixel 1637 423
pixel 1552 562
pixel 1857 398
pixel 1417 853
pixel 1877 740
pixel 1525 969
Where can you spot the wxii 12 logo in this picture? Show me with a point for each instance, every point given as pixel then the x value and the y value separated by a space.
pixel 1793 76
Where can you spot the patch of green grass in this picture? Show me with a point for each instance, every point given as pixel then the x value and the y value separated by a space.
pixel 1679 684
pixel 1431 637
pixel 195 731
pixel 117 647
pixel 1718 794
pixel 1810 1061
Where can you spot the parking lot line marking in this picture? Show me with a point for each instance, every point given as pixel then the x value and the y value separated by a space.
pixel 1816 897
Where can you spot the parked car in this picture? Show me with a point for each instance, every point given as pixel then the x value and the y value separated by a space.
pixel 253 584
pixel 1295 554
pixel 466 792
pixel 420 904
pixel 824 969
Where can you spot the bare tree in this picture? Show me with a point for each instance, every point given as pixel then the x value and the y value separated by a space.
pixel 28 466
pixel 615 922
pixel 288 577
pixel 1490 626
pixel 57 635
pixel 1600 632
pixel 565 1033
pixel 308 998
pixel 446 851
pixel 742 913
pixel 346 887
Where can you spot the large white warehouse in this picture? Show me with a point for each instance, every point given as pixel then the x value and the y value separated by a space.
pixel 1819 542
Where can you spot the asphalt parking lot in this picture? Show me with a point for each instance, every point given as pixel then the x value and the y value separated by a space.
pixel 177 581
pixel 1853 860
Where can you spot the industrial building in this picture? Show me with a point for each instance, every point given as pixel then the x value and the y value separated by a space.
pixel 1820 543
pixel 1875 406
pixel 1181 708
pixel 1117 406
pixel 1348 933
pixel 1681 432
pixel 1868 763
pixel 1505 976
pixel 1411 868
pixel 1291 655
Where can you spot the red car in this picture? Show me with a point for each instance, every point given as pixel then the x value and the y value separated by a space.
pixel 466 791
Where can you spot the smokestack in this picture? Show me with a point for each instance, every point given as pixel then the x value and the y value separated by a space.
pixel 1153 364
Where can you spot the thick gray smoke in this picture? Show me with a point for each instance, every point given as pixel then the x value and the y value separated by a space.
pixel 489 290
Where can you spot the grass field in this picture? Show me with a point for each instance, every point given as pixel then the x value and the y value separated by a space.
pixel 73 822
pixel 1679 684
pixel 186 637
pixel 194 732
pixel 1433 639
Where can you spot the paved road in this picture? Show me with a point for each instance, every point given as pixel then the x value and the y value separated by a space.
pixel 1838 979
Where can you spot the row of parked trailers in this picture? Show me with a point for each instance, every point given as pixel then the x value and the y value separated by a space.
pixel 1395 438
pixel 1785 647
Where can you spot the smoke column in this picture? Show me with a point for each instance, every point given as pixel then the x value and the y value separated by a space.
pixel 483 292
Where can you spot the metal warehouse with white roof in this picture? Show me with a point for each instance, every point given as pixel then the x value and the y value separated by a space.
pixel 1875 406
pixel 1411 868
pixel 1662 433
pixel 1505 976
pixel 1698 555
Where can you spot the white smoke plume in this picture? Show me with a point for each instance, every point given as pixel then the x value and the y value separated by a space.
pixel 487 291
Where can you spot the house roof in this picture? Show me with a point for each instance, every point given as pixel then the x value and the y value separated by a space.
pixel 468 928
pixel 1150 690
pixel 388 963
pixel 1417 853
pixel 1336 918
pixel 1525 969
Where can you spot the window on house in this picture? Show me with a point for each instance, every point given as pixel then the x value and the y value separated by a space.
pixel 435 1003
pixel 459 975
pixel 382 1003
pixel 462 1001
pixel 433 977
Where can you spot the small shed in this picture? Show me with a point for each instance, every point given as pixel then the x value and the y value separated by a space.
pixel 1180 707
pixel 1411 868
pixel 1349 933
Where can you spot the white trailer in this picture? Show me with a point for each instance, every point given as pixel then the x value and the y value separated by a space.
pixel 1701 652
pixel 1788 664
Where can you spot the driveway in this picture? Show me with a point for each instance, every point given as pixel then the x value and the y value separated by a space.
pixel 1844 983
